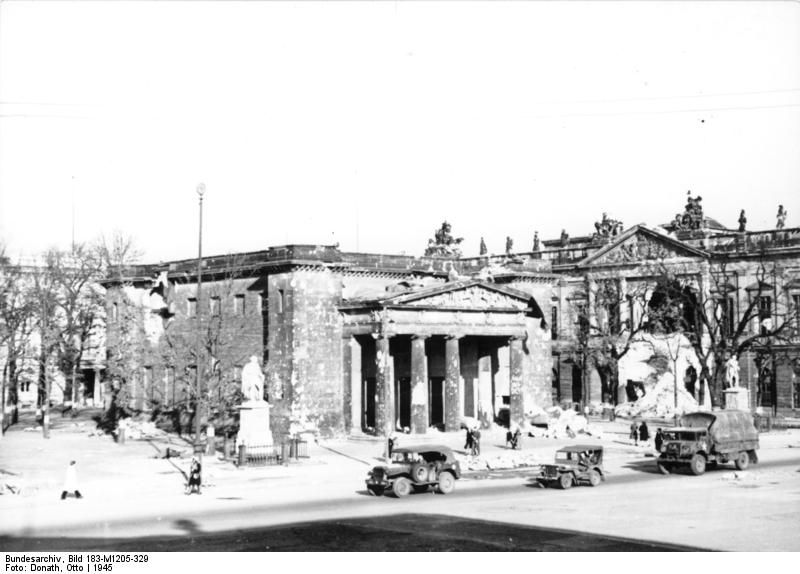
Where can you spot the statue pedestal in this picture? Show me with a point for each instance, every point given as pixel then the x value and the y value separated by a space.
pixel 737 398
pixel 254 425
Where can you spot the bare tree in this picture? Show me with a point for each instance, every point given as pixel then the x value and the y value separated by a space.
pixel 223 326
pixel 605 336
pixel 718 323
pixel 16 323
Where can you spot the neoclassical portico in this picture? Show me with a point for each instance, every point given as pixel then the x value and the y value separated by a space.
pixel 432 356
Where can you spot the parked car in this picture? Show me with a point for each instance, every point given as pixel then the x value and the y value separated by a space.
pixel 416 468
pixel 705 439
pixel 574 464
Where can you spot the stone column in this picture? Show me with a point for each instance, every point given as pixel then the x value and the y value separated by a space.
pixel 624 315
pixel 591 294
pixel 453 404
pixel 384 387
pixel 97 396
pixel 515 363
pixel 347 383
pixel 419 385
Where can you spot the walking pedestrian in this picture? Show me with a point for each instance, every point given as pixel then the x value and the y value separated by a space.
pixel 195 480
pixel 659 439
pixel 635 433
pixel 71 481
pixel 644 433
pixel 469 441
pixel 476 442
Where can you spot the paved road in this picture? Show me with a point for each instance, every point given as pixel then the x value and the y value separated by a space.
pixel 720 510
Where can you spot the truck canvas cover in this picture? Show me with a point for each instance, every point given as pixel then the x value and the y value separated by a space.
pixel 723 426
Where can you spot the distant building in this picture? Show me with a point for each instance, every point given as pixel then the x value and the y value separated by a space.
pixel 358 342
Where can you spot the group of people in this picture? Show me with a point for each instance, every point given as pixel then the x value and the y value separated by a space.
pixel 473 443
pixel 639 432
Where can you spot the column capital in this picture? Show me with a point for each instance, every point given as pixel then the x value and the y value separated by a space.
pixel 416 337
pixel 377 336
pixel 450 336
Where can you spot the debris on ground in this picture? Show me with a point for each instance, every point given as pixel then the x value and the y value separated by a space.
pixel 138 430
pixel 503 461
pixel 659 402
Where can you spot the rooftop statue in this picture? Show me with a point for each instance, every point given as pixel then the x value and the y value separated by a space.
pixel 781 218
pixel 607 227
pixel 742 221
pixel 443 243
pixel 509 245
pixel 483 249
pixel 536 245
pixel 692 217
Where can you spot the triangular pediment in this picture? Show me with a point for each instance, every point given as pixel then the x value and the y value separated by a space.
pixel 463 295
pixel 638 245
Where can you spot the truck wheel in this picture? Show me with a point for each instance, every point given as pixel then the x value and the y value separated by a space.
pixel 753 456
pixel 742 460
pixel 594 478
pixel 376 490
pixel 447 483
pixel 565 481
pixel 664 468
pixel 401 487
pixel 698 464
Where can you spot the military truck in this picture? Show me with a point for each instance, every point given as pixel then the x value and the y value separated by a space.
pixel 703 439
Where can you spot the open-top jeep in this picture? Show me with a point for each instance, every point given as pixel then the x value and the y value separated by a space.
pixel 416 468
pixel 705 439
pixel 574 464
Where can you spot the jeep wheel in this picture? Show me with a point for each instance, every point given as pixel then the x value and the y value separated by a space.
pixel 565 481
pixel 420 488
pixel 698 464
pixel 376 490
pixel 401 487
pixel 594 478
pixel 742 460
pixel 664 468
pixel 447 483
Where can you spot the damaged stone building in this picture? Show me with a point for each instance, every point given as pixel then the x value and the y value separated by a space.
pixel 365 343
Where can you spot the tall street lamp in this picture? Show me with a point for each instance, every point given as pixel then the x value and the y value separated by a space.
pixel 201 189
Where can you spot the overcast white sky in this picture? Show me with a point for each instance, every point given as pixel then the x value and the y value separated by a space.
pixel 368 123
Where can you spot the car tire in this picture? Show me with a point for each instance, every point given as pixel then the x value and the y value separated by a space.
pixel 447 483
pixel 565 481
pixel 376 490
pixel 742 460
pixel 419 472
pixel 401 487
pixel 594 478
pixel 698 464
pixel 664 468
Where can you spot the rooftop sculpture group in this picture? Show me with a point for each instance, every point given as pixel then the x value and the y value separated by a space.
pixel 692 217
pixel 607 227
pixel 443 243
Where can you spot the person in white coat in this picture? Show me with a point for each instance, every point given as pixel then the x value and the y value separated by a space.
pixel 71 481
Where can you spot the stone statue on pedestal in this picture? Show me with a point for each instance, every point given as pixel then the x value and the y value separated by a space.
pixel 253 381
pixel 742 221
pixel 732 372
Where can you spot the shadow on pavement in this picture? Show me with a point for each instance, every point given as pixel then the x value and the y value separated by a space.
pixel 403 532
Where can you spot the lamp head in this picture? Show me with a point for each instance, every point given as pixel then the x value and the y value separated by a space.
pixel 201 189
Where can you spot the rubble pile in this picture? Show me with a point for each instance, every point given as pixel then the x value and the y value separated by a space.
pixel 660 401
pixel 504 461
pixel 137 430
pixel 564 423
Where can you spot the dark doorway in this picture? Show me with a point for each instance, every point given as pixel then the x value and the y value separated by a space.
pixel 369 403
pixel 436 402
pixel 403 401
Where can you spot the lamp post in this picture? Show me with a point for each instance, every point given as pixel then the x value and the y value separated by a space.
pixel 201 189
